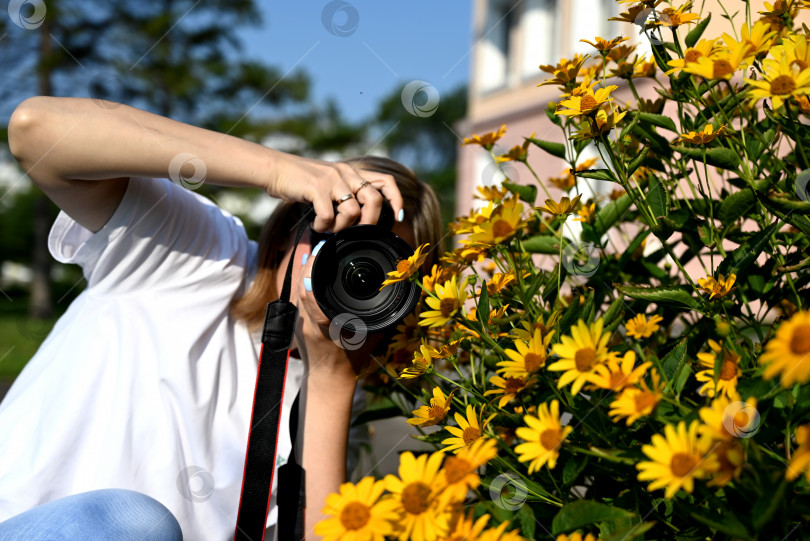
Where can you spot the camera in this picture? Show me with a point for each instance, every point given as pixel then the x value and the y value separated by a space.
pixel 349 270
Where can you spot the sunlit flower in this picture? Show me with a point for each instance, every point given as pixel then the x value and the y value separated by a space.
pixel 759 39
pixel 576 536
pixel 416 499
pixel 498 282
pixel 729 371
pixel 435 412
pixel 458 474
pixel 491 193
pixel 508 388
pixel 564 207
pixel 781 81
pixel 422 361
pixel 601 124
pixel 637 402
pixel 468 430
pixel 517 153
pixel 800 458
pixel 465 529
pixel 526 359
pixel 565 73
pixel 543 436
pixel 796 48
pixel 567 180
pixel 717 288
pixel 586 213
pixel 602 45
pixel 406 267
pixel 546 327
pixel 640 327
pixel 788 353
pixel 488 139
pixel 674 18
pixel 676 460
pixel 504 222
pixel 588 104
pixel 707 135
pixel 723 64
pixel 500 534
pixel 617 374
pixel 635 13
pixel 724 422
pixel 580 353
pixel 449 299
pixel 355 513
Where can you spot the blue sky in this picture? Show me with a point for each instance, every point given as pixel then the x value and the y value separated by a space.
pixel 387 44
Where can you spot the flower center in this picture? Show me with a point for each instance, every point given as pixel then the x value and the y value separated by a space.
pixel 681 464
pixel 436 412
pixel 588 103
pixel 501 228
pixel 722 68
pixel 470 435
pixel 447 307
pixel 645 400
pixel 784 84
pixel 584 359
pixel 532 361
pixel 354 516
pixel 403 266
pixel 514 385
pixel 800 341
pixel 728 370
pixel 550 438
pixel 617 380
pixel 692 55
pixel 415 498
pixel 455 469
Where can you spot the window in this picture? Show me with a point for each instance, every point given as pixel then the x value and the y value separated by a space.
pixel 493 62
pixel 540 24
pixel 589 18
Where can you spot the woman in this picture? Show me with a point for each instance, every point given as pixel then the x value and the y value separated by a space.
pixel 146 382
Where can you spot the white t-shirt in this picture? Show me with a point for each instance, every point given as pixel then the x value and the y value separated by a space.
pixel 146 382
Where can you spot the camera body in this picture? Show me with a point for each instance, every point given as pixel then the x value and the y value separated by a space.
pixel 350 268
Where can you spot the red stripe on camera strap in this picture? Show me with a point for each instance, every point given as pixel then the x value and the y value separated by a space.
pixel 265 420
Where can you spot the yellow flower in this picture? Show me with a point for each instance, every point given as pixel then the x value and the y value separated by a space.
pixel 677 460
pixel 567 180
pixel 615 375
pixel 407 333
pixel 580 353
pixel 728 418
pixel 707 135
pixel 635 12
pixel 526 359
pixel 467 530
pixel 564 207
pixel 509 387
pixel 504 222
pixel 797 49
pixel 416 499
pixel 491 193
pixel 576 536
pixel 449 299
pixel 565 72
pixel 676 17
pixel 587 104
pixel 468 430
pixel 603 45
pixel 487 140
pixel 730 458
pixel 717 288
pixel 759 39
pixel 702 49
pixel 543 436
pixel 434 413
pixel 526 330
pixel 422 361
pixel 721 65
pixel 781 81
pixel 586 213
pixel 637 402
pixel 639 327
pixel 517 153
pixel 500 534
pixel 498 282
pixel 355 513
pixel 788 352
pixel 406 267
pixel 729 371
pixel 601 124
pixel 458 474
pixel 800 459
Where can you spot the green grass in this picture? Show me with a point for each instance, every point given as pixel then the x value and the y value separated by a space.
pixel 20 338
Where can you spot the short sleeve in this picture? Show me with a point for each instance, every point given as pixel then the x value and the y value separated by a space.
pixel 161 237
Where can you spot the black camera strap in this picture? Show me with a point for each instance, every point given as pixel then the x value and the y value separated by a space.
pixel 265 420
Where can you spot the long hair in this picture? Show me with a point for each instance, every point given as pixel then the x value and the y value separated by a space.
pixel 421 212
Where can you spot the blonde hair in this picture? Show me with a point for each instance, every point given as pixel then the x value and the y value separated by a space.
pixel 421 212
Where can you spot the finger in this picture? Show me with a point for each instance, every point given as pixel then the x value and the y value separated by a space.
pixel 307 298
pixel 348 210
pixel 371 201
pixel 324 213
pixel 388 188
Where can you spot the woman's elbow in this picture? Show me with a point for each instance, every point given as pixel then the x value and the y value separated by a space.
pixel 22 126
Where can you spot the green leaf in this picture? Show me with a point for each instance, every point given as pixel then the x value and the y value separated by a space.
pixel 673 363
pixel 527 193
pixel 613 310
pixel 626 534
pixel 610 214
pixel 483 305
pixel 573 468
pixel 525 517
pixel 555 149
pixel 733 207
pixel 597 174
pixel 543 244
pixel 678 295
pixel 633 165
pixel 659 120
pixel 727 524
pixel 658 198
pixel 724 158
pixel 584 512
pixel 747 252
pixel 694 35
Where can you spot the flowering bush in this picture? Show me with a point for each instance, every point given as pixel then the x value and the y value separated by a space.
pixel 645 373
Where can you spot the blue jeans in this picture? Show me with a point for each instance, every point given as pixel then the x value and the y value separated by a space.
pixel 95 516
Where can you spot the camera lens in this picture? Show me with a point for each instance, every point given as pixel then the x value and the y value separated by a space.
pixel 362 278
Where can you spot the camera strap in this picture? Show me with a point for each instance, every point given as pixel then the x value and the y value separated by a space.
pixel 265 421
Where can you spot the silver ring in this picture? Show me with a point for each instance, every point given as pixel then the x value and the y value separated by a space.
pixel 363 185
pixel 345 198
